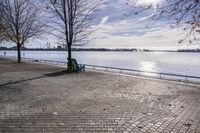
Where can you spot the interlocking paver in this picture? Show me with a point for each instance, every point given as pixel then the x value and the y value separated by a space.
pixel 40 98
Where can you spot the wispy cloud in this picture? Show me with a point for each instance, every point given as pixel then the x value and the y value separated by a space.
pixel 114 31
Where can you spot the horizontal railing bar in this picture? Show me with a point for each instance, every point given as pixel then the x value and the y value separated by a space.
pixel 116 68
pixel 52 61
pixel 167 74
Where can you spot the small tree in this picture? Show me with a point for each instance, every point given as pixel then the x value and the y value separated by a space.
pixel 19 22
pixel 72 21
pixel 183 13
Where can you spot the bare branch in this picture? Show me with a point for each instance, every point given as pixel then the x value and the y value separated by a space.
pixel 73 21
pixel 179 13
pixel 20 21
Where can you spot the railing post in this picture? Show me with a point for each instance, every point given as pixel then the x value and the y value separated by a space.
pixel 160 76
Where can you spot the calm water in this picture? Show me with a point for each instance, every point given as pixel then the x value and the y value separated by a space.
pixel 169 62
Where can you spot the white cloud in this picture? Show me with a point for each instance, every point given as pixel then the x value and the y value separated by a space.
pixel 104 20
pixel 134 34
pixel 130 32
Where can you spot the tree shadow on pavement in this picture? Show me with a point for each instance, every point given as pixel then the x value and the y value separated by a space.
pixel 55 74
pixel 20 81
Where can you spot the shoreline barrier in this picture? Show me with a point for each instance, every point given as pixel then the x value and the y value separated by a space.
pixel 157 75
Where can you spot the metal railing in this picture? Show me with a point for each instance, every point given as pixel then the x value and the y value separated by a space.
pixel 158 75
pixel 168 76
pixel 45 61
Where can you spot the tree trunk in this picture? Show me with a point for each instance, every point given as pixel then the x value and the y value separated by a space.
pixel 69 64
pixel 18 53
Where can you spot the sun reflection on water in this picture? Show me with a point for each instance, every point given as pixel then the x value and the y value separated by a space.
pixel 148 66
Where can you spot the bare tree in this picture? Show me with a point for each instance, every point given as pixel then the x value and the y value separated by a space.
pixel 20 21
pixel 72 21
pixel 181 13
pixel 2 29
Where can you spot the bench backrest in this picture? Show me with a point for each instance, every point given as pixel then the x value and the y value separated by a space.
pixel 74 63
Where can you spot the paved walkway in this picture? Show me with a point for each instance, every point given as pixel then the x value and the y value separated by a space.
pixel 43 99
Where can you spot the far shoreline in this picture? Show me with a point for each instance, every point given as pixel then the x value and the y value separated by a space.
pixel 108 50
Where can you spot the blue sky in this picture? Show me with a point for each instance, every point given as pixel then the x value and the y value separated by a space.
pixel 132 31
pixel 115 31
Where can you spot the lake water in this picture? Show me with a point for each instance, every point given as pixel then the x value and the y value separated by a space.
pixel 167 62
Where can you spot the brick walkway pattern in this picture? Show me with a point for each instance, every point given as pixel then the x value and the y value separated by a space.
pixel 37 98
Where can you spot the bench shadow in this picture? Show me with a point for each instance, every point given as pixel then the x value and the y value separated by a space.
pixel 55 74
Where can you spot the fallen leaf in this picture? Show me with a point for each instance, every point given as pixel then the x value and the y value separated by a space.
pixel 61 124
pixel 55 113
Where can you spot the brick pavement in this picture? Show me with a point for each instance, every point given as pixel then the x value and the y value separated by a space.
pixel 37 98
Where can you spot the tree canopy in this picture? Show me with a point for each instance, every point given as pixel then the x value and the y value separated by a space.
pixel 71 21
pixel 20 21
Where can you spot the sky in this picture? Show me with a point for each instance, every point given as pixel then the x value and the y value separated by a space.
pixel 116 31
pixel 132 32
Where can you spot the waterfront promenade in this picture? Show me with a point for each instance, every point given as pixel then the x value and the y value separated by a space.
pixel 38 98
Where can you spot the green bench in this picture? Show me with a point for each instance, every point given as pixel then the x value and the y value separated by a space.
pixel 77 67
